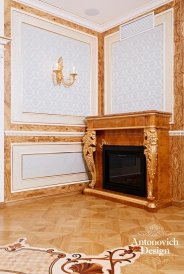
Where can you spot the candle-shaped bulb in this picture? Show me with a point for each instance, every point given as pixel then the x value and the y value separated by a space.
pixel 73 70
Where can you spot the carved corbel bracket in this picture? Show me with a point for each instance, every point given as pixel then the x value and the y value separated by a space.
pixel 89 147
pixel 151 153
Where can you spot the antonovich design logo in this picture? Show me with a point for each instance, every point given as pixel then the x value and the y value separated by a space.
pixel 159 247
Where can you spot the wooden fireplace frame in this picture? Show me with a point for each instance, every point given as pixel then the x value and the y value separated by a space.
pixel 149 129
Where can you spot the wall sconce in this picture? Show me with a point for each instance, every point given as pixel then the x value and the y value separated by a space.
pixel 59 77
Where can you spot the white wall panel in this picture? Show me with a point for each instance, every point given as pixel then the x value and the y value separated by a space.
pixel 40 50
pixel 139 69
pixel 50 164
pixel 45 165
pixel 137 72
pixel 36 46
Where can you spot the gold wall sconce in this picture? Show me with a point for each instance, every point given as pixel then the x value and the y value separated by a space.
pixel 59 78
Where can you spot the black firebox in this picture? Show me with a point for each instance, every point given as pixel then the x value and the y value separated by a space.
pixel 124 169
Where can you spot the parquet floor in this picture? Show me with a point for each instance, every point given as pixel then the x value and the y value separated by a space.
pixel 91 225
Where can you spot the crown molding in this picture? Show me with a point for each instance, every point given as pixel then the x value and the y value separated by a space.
pixel 135 13
pixel 87 23
pixel 60 13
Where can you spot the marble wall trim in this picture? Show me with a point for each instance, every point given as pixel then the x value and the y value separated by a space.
pixel 176 133
pixel 42 133
pixel 101 74
pixel 178 64
pixel 177 166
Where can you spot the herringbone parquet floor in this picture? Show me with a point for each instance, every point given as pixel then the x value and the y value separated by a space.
pixel 91 225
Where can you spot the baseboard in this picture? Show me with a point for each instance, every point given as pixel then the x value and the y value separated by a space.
pixel 178 203
pixel 2 205
pixel 32 199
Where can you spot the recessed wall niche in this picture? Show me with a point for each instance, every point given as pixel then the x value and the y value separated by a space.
pixel 36 45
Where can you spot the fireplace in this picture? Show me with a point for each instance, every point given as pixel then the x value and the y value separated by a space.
pixel 124 169
pixel 115 148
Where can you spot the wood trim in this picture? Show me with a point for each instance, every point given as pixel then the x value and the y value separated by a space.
pixel 130 120
pixel 178 203
pixel 22 200
pixel 50 191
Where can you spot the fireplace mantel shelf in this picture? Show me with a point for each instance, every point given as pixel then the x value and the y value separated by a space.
pixel 147 128
pixel 132 120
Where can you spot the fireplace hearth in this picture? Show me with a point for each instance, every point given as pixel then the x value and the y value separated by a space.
pixel 124 169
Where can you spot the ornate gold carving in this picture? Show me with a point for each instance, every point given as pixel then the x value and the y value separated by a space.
pixel 102 143
pixel 89 141
pixel 151 152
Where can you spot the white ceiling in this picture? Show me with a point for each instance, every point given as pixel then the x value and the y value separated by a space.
pixel 110 12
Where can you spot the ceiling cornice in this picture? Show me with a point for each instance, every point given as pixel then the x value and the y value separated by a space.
pixel 87 23
pixel 133 14
pixel 61 13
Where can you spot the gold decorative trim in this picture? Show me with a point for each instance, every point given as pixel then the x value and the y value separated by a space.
pixel 151 153
pixel 89 141
pixel 102 144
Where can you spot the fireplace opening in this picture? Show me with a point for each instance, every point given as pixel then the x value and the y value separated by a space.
pixel 124 169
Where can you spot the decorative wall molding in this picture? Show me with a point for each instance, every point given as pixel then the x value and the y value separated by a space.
pixel 115 98
pixel 42 133
pixel 176 133
pixel 65 162
pixel 90 24
pixel 60 13
pixel 4 40
pixel 35 99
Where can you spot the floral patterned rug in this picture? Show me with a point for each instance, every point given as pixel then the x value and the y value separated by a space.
pixel 21 258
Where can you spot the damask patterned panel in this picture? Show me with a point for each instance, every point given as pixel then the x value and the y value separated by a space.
pixel 36 46
pixel 137 72
pixel 40 50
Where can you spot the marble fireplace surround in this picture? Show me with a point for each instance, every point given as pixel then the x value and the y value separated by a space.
pixel 149 129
